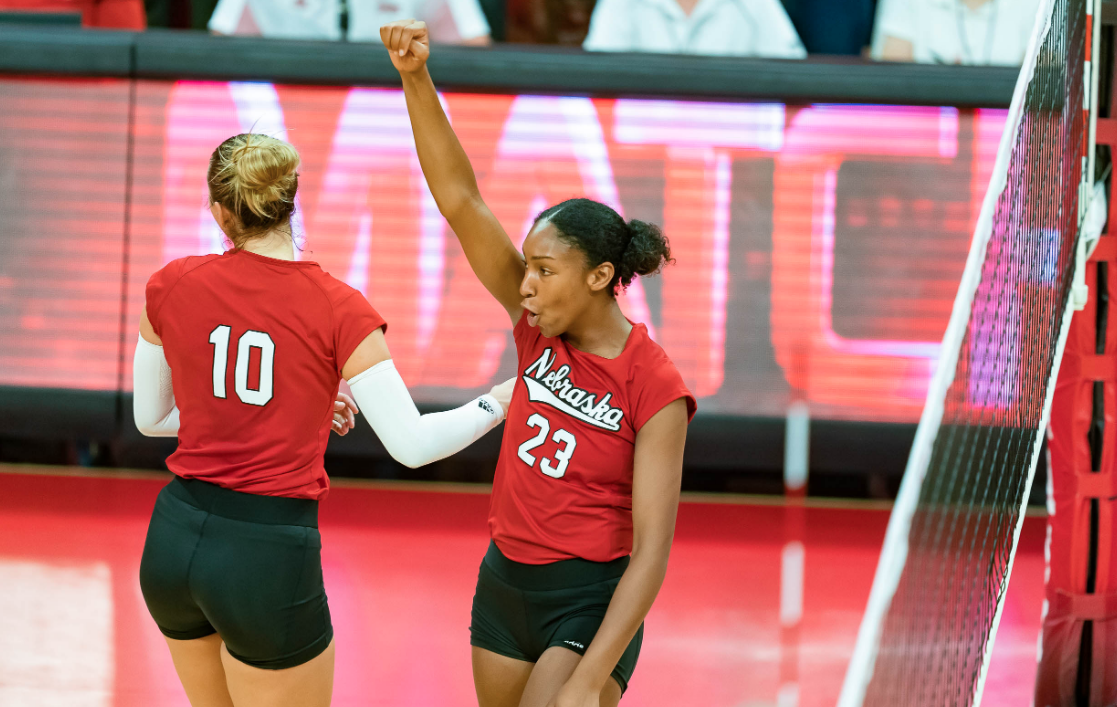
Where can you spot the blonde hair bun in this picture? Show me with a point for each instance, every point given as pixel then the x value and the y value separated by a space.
pixel 255 177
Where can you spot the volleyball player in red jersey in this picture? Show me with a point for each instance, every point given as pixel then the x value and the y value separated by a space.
pixel 587 485
pixel 258 342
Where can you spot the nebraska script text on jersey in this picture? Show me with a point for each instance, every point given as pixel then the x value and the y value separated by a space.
pixel 555 389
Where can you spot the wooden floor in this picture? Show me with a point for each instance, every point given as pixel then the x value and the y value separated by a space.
pixel 760 607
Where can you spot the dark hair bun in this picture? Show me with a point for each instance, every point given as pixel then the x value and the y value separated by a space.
pixel 647 252
pixel 633 248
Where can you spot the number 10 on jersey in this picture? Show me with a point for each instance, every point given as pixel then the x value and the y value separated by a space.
pixel 249 340
pixel 562 454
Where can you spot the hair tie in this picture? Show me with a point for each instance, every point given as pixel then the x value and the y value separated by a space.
pixel 631 236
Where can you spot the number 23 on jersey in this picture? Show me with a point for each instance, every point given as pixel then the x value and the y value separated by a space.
pixel 566 441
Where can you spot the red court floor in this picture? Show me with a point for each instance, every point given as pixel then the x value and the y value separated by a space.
pixel 760 607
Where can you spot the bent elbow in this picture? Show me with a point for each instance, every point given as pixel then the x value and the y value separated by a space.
pixel 410 460
pixel 410 455
pixel 455 206
pixel 167 427
pixel 142 425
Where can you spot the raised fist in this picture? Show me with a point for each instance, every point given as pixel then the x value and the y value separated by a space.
pixel 408 44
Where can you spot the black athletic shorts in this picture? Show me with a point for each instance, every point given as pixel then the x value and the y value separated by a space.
pixel 245 566
pixel 521 610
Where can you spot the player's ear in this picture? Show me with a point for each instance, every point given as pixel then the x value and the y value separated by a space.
pixel 222 216
pixel 599 278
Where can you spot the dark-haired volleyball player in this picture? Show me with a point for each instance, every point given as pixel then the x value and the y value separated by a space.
pixel 587 486
pixel 258 343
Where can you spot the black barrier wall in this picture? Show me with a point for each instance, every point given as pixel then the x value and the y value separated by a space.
pixel 186 55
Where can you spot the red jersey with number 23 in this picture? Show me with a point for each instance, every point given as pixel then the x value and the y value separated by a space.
pixel 256 347
pixel 563 486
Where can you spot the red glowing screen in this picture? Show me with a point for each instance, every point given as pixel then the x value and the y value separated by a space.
pixel 818 247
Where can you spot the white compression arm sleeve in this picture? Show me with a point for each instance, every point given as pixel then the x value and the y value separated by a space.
pixel 153 401
pixel 413 439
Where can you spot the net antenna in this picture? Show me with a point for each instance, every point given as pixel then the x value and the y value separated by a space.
pixel 928 630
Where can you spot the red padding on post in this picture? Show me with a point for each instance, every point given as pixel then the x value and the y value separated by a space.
pixel 1097 368
pixel 1096 485
pixel 1107 131
pixel 1086 607
pixel 1106 249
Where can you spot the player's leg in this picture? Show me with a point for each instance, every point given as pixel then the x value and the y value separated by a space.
pixel 258 576
pixel 499 636
pixel 567 610
pixel 198 664
pixel 554 668
pixel 310 684
pixel 169 551
pixel 498 679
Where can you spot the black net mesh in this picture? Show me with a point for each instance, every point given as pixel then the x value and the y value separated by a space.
pixel 934 636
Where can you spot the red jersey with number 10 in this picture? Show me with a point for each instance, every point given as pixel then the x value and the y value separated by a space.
pixel 563 486
pixel 256 347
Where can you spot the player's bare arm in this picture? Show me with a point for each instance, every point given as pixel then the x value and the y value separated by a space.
pixel 371 351
pixel 656 481
pixel 147 331
pixel 491 253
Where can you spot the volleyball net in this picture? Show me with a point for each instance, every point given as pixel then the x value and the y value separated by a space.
pixel 928 631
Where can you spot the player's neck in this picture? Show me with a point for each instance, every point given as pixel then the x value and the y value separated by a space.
pixel 605 333
pixel 274 244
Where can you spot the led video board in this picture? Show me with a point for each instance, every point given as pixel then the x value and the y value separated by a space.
pixel 818 247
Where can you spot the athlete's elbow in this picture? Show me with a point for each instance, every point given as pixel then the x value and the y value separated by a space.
pixel 150 426
pixel 143 424
pixel 459 203
pixel 411 462
pixel 653 549
pixel 411 458
pixel 450 206
pixel 148 429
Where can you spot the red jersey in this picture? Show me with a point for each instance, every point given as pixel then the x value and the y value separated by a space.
pixel 563 485
pixel 256 346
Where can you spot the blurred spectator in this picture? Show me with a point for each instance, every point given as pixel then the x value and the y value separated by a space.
pixel 179 14
pixel 954 31
pixel 833 26
pixel 450 21
pixel 725 27
pixel 114 14
pixel 549 21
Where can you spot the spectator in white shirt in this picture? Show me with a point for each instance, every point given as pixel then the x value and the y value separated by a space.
pixel 984 32
pixel 449 21
pixel 719 27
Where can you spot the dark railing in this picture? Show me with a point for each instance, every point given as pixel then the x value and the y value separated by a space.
pixel 161 54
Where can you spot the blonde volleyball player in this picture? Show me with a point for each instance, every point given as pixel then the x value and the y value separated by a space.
pixel 257 343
